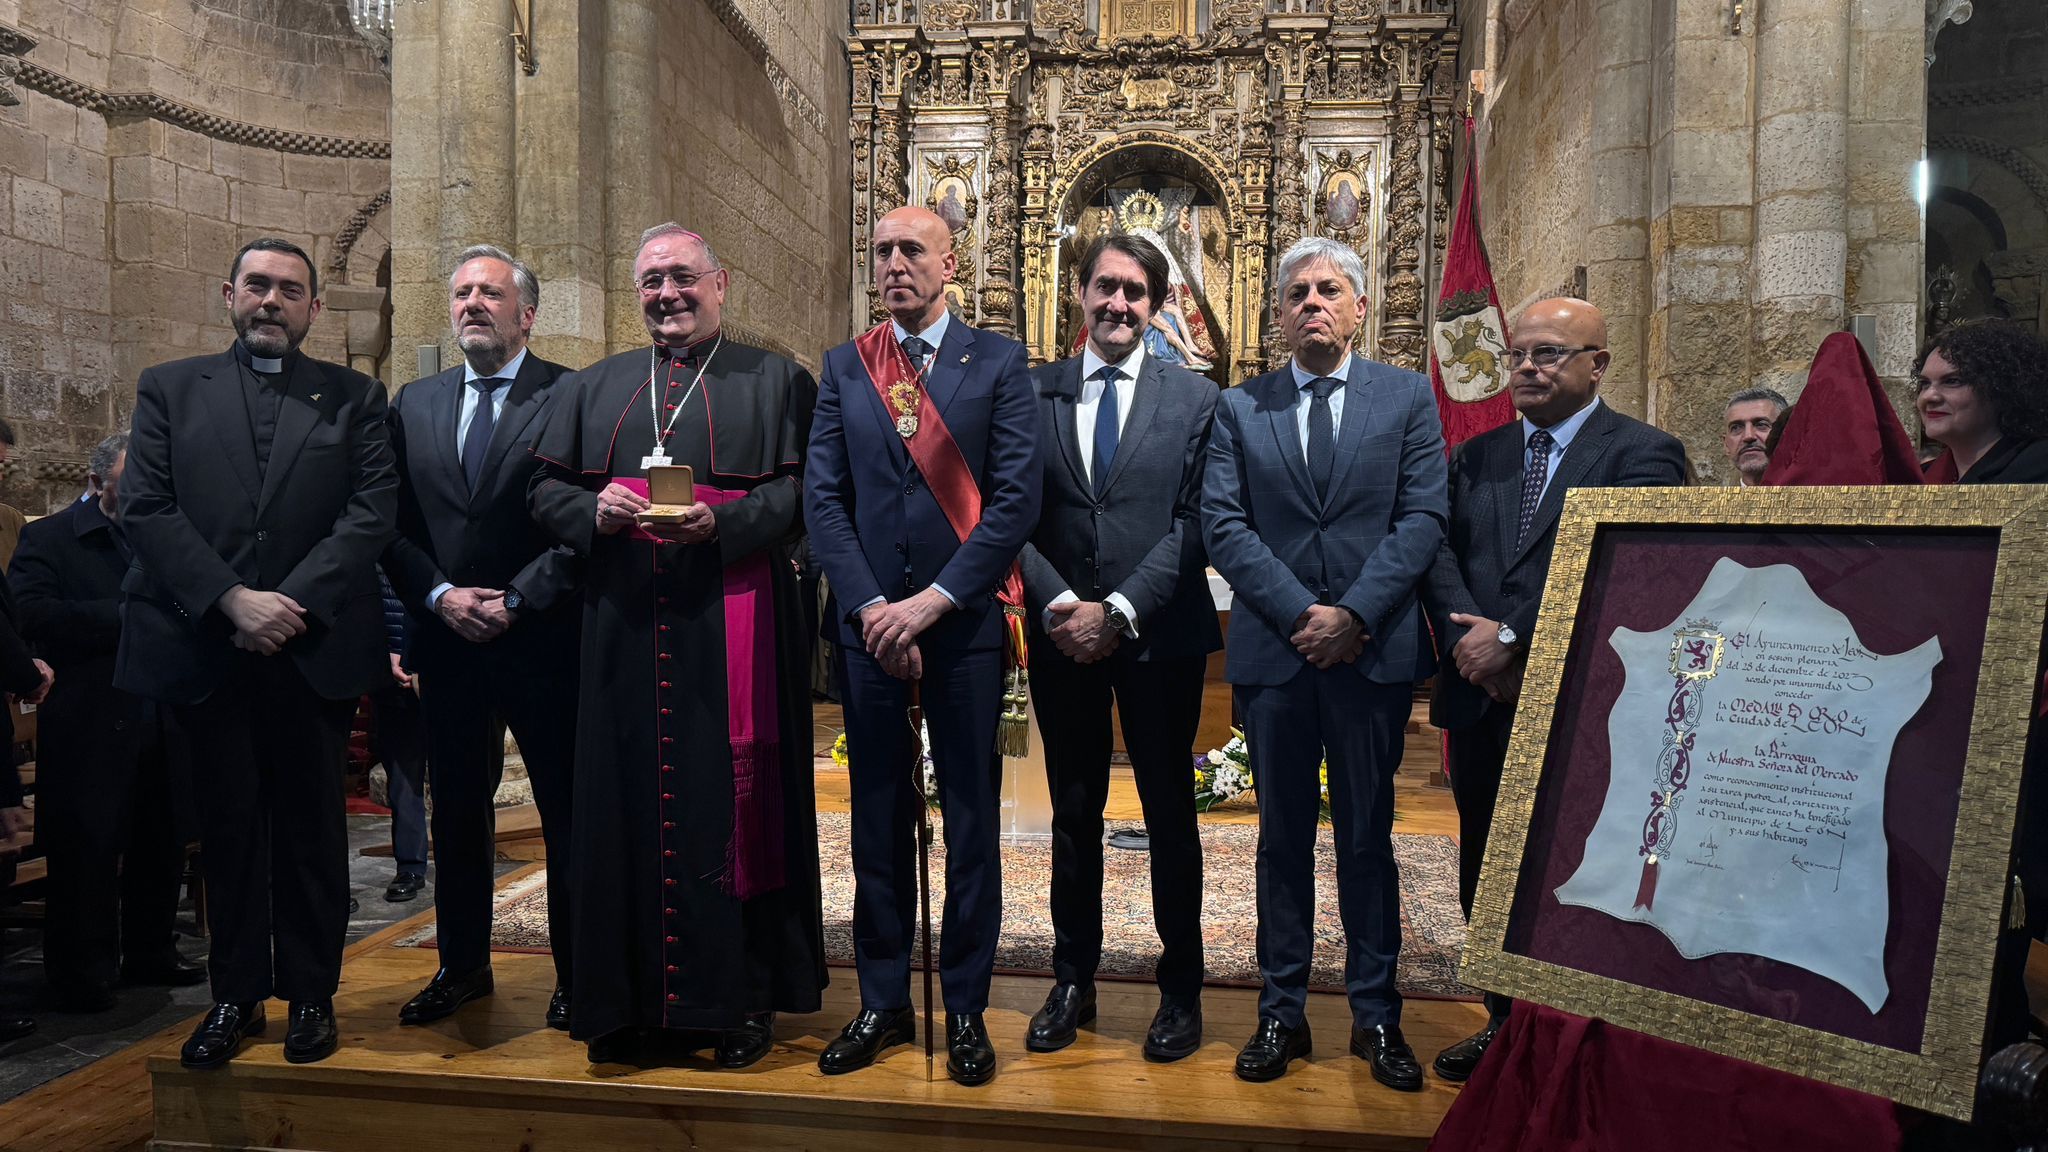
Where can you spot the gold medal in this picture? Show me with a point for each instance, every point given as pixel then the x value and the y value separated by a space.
pixel 903 398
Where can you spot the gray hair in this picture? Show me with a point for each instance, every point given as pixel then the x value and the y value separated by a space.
pixel 1309 250
pixel 671 228
pixel 1749 394
pixel 529 284
pixel 106 454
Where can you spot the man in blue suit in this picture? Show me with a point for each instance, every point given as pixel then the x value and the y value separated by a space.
pixel 1323 506
pixel 922 486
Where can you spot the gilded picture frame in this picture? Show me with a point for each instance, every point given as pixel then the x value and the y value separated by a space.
pixel 1941 1075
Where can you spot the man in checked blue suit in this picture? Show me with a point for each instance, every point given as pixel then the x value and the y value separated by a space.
pixel 1323 506
pixel 922 486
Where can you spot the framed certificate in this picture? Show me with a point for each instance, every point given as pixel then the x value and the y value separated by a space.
pixel 1760 794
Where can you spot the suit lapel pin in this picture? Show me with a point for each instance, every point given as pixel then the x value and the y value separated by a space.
pixel 316 396
pixel 963 357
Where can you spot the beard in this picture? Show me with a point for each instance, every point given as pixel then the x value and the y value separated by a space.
pixel 266 340
pixel 485 343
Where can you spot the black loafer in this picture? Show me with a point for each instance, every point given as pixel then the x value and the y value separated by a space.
pixel 86 996
pixel 864 1038
pixel 558 1010
pixel 311 1035
pixel 1457 1062
pixel 444 994
pixel 1176 1033
pixel 15 1027
pixel 220 1035
pixel 621 1047
pixel 1266 1055
pixel 1067 1007
pixel 403 887
pixel 167 969
pixel 970 1058
pixel 1393 1062
pixel 747 1043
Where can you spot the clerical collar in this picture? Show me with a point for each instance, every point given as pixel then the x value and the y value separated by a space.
pixel 509 372
pixel 692 352
pixel 933 335
pixel 264 364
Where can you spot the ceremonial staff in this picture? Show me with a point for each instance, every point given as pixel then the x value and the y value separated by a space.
pixel 924 866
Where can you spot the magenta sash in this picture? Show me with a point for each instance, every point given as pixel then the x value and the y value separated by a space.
pixel 754 855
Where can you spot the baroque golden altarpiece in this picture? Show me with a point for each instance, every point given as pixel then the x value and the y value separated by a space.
pixel 1221 130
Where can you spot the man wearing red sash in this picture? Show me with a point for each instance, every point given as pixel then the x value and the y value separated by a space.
pixel 922 486
pixel 695 841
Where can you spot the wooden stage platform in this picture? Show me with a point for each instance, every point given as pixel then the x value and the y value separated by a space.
pixel 493 1078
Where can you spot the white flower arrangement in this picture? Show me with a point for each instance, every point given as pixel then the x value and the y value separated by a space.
pixel 928 775
pixel 1225 774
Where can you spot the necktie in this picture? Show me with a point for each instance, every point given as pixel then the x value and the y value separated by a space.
pixel 1532 480
pixel 476 443
pixel 1322 433
pixel 917 350
pixel 1105 428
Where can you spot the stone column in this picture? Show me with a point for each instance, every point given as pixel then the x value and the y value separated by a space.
pixel 559 208
pixel 419 300
pixel 479 151
pixel 1617 234
pixel 633 164
pixel 1887 123
pixel 1801 253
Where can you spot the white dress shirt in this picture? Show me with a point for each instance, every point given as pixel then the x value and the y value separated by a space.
pixel 1302 379
pixel 1561 435
pixel 466 413
pixel 1085 411
pixel 933 335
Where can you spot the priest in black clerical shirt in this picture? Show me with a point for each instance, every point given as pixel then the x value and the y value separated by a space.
pixel 695 841
pixel 258 494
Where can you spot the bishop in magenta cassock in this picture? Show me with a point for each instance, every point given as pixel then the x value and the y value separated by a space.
pixel 698 908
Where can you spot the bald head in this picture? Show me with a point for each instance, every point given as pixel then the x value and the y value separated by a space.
pixel 913 257
pixel 1557 355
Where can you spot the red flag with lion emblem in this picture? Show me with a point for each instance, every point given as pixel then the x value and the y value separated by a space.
pixel 1468 334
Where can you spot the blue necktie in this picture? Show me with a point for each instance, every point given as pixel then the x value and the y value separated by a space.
pixel 1322 433
pixel 476 443
pixel 1532 480
pixel 1105 428
pixel 917 350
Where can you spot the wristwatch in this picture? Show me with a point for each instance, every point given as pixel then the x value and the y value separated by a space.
pixel 514 600
pixel 1117 619
pixel 1506 636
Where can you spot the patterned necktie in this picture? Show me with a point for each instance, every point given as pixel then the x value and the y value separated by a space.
pixel 1532 480
pixel 1105 428
pixel 917 350
pixel 476 443
pixel 1322 433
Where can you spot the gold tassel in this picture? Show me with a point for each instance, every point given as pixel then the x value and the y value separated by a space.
pixel 1013 731
pixel 2016 905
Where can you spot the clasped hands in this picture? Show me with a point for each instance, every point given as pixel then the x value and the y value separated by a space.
pixel 264 621
pixel 1482 659
pixel 1328 636
pixel 890 631
pixel 617 505
pixel 475 614
pixel 1082 632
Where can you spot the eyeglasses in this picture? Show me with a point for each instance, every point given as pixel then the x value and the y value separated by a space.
pixel 1543 355
pixel 683 279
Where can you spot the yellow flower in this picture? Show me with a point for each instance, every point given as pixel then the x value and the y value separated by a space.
pixel 839 756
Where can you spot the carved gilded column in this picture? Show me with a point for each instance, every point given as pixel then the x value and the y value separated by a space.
pixel 1293 48
pixel 1401 327
pixel 1041 297
pixel 895 63
pixel 866 300
pixel 998 64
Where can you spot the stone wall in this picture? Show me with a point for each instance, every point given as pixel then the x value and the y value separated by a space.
pixel 729 119
pixel 152 138
pixel 1735 188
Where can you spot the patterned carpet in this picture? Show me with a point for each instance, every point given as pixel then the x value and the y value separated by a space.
pixel 1433 932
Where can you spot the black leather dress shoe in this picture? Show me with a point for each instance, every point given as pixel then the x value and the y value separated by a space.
pixel 403 887
pixel 1393 1062
pixel 220 1035
pixel 864 1038
pixel 1067 1007
pixel 1176 1032
pixel 167 968
pixel 444 994
pixel 311 1035
pixel 1266 1055
pixel 15 1027
pixel 747 1043
pixel 620 1047
pixel 1456 1063
pixel 558 1010
pixel 970 1058
pixel 85 996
